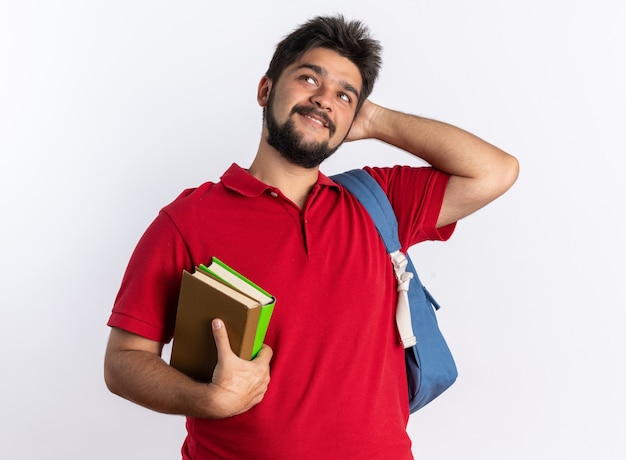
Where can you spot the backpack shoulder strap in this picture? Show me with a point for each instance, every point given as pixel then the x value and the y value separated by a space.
pixel 430 366
pixel 365 188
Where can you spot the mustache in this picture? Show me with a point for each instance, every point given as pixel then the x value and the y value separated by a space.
pixel 305 110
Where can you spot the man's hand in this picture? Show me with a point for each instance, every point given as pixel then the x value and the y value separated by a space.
pixel 238 384
pixel 364 121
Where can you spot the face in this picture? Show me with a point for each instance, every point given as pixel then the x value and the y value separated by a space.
pixel 310 109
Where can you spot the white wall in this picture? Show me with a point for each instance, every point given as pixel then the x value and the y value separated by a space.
pixel 109 109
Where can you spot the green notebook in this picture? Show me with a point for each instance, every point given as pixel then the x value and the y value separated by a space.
pixel 228 275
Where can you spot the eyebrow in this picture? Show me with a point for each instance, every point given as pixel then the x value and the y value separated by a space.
pixel 324 73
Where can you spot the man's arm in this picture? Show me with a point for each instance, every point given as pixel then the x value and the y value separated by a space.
pixel 480 172
pixel 133 369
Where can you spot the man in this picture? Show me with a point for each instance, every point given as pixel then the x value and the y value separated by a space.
pixel 338 387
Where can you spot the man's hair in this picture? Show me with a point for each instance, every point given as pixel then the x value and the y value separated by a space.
pixel 350 39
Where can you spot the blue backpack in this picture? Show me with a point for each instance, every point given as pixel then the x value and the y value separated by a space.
pixel 430 366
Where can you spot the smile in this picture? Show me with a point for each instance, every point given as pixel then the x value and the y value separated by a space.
pixel 317 117
pixel 316 120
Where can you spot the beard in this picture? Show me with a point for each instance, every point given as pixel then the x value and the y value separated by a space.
pixel 291 145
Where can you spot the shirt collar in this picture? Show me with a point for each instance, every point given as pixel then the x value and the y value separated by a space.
pixel 241 181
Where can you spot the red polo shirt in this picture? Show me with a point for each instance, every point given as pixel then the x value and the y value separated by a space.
pixel 338 388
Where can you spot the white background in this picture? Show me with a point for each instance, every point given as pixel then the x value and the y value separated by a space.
pixel 109 109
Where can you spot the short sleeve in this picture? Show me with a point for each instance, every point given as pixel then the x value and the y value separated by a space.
pixel 416 195
pixel 147 300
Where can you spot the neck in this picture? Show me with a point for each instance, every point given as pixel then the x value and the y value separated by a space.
pixel 271 168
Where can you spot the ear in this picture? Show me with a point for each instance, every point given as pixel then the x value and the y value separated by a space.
pixel 263 92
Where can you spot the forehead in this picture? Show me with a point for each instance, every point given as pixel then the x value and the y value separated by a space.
pixel 331 65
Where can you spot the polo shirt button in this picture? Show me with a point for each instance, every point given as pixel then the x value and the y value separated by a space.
pixel 274 194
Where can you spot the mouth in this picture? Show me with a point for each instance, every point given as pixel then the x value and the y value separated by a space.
pixel 317 120
pixel 316 117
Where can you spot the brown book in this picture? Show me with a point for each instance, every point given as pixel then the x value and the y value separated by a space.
pixel 202 299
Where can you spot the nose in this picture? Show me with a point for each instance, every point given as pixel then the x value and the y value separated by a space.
pixel 322 98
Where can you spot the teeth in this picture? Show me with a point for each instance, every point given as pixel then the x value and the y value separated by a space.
pixel 319 122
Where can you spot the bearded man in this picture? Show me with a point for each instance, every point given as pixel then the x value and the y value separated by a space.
pixel 338 385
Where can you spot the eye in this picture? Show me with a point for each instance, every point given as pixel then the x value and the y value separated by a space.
pixel 309 79
pixel 344 97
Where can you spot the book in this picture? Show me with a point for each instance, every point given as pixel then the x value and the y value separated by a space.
pixel 226 274
pixel 204 297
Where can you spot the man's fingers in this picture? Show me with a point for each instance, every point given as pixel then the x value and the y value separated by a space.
pixel 241 383
pixel 223 344
pixel 265 354
pixel 221 339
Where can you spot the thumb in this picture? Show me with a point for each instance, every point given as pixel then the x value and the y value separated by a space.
pixel 221 339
